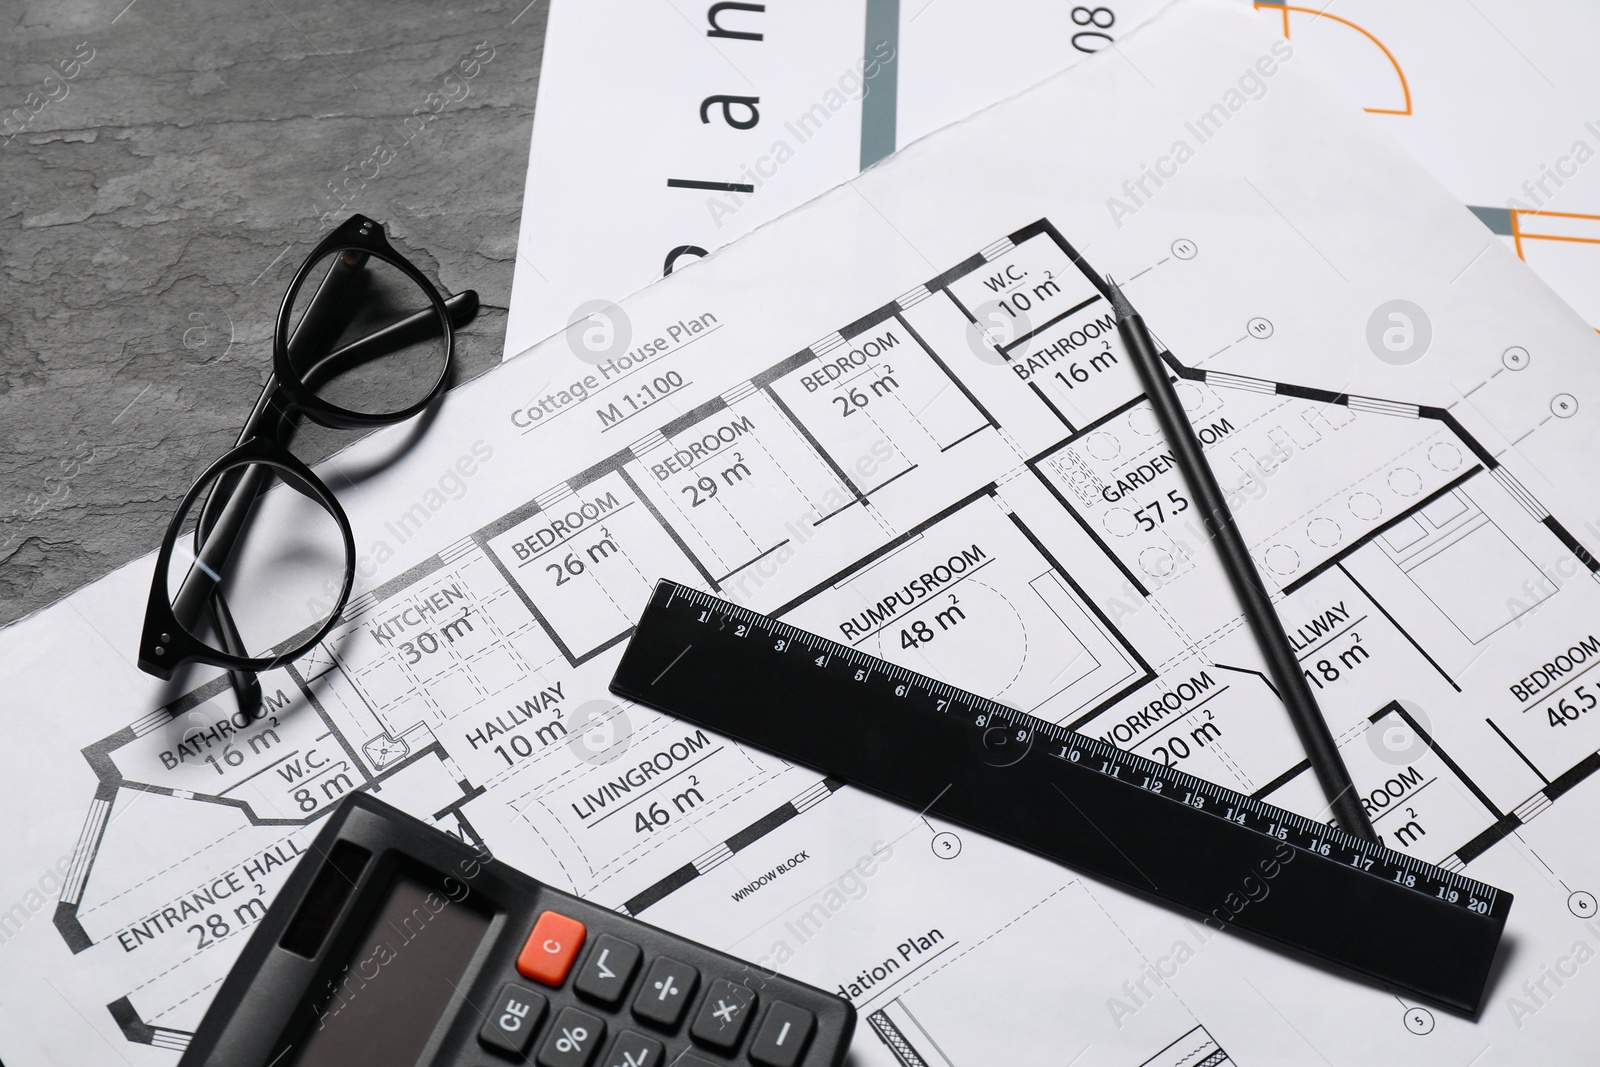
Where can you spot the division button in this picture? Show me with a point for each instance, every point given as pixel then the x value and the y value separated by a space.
pixel 513 1017
pixel 550 949
pixel 722 1016
pixel 572 1039
pixel 782 1038
pixel 634 1050
pixel 608 970
pixel 666 991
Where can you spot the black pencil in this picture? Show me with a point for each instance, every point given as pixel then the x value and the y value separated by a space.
pixel 1282 664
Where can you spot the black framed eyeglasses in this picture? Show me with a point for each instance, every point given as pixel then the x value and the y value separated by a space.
pixel 247 580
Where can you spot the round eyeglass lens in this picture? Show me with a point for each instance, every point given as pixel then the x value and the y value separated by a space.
pixel 364 336
pixel 272 554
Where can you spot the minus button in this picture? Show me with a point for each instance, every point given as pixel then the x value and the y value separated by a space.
pixel 783 1037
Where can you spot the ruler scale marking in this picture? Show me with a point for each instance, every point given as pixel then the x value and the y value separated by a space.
pixel 1235 860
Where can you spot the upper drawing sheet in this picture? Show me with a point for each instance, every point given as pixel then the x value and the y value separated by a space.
pixel 900 418
pixel 1494 97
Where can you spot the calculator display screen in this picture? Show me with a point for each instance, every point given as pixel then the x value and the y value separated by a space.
pixel 385 1003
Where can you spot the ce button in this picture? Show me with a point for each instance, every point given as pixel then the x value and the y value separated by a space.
pixel 516 1015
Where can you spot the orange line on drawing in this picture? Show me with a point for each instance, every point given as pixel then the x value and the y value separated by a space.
pixel 1405 88
pixel 1558 237
pixel 1519 233
pixel 1516 236
pixel 1556 214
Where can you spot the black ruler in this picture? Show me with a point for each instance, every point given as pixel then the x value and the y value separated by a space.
pixel 1236 861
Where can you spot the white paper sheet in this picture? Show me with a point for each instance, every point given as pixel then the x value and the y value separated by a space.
pixel 1418 487
pixel 1500 100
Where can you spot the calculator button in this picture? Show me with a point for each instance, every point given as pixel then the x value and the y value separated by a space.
pixel 722 1016
pixel 548 954
pixel 634 1050
pixel 608 970
pixel 572 1039
pixel 513 1017
pixel 666 991
pixel 783 1036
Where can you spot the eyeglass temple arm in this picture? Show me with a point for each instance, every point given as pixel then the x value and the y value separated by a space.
pixel 246 686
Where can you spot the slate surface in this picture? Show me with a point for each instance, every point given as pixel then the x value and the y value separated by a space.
pixel 164 168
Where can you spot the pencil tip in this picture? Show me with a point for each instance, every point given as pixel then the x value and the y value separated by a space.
pixel 1119 303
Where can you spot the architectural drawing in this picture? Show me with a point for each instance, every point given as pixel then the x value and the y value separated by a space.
pixel 452 687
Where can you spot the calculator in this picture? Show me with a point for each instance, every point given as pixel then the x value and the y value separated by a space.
pixel 396 944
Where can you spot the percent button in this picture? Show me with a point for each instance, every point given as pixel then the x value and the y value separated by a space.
pixel 572 1040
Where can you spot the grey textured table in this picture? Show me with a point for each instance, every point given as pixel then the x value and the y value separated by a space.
pixel 164 168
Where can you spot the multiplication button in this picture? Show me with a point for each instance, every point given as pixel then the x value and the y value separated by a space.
pixel 666 991
pixel 513 1018
pixel 572 1039
pixel 782 1038
pixel 722 1016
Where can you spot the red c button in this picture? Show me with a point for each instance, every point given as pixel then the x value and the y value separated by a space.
pixel 548 953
